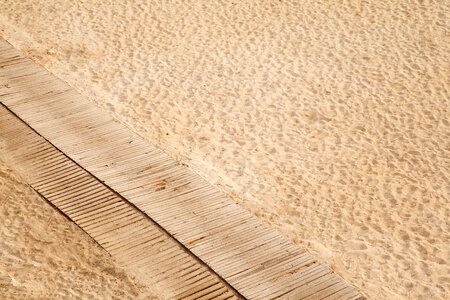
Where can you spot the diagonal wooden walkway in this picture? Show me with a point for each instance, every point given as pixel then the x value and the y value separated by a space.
pixel 134 240
pixel 249 255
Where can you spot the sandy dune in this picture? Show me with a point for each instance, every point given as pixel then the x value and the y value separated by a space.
pixel 44 256
pixel 328 121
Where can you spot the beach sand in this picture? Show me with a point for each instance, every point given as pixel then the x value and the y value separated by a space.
pixel 45 256
pixel 330 122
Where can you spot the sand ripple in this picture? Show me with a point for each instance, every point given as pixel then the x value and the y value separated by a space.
pixel 329 121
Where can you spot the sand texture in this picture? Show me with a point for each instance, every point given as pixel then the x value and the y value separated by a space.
pixel 329 121
pixel 45 256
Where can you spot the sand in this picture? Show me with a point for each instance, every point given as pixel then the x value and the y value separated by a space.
pixel 45 256
pixel 328 121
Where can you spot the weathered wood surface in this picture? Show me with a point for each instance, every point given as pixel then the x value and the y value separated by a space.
pixel 126 233
pixel 251 256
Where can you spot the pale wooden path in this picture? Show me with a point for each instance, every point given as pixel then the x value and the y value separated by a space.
pixel 136 242
pixel 249 255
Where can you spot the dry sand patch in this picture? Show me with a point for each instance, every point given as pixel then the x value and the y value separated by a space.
pixel 328 121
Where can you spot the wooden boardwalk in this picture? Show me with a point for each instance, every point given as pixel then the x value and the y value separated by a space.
pixel 134 240
pixel 249 255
